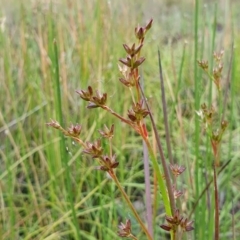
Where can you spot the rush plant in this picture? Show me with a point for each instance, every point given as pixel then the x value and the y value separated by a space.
pixel 166 173
pixel 214 124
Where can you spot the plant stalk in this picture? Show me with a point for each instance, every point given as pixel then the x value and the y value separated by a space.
pixel 160 179
pixel 125 196
pixel 216 234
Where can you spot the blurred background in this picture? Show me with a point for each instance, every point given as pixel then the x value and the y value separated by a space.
pixel 49 190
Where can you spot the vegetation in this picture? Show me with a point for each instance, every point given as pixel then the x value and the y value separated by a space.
pixel 52 52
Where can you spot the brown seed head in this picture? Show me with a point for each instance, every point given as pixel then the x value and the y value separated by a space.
pixel 94 149
pixel 74 131
pixel 176 169
pixel 125 229
pixel 132 51
pixel 186 225
pixel 108 163
pixel 86 94
pixel 106 133
pixel 149 24
pixel 166 227
pixel 138 62
pixel 138 112
pixel 139 32
pixel 126 61
pixel 177 193
pixel 177 220
pixel 203 64
pixel 100 99
pixel 54 124
pixel 224 125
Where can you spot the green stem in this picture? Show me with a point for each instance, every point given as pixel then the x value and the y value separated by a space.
pixel 70 196
pixel 206 188
pixel 160 179
pixel 131 124
pixel 196 106
pixel 125 196
pixel 133 237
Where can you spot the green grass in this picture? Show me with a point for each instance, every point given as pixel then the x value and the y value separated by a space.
pixel 48 189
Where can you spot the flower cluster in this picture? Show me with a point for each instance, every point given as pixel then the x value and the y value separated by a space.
pixel 94 149
pixel 95 101
pixel 215 132
pixel 138 112
pixel 216 74
pixel 107 133
pixel 72 131
pixel 140 32
pixel 203 64
pixel 175 221
pixel 132 61
pixel 206 115
pixel 176 169
pixel 125 230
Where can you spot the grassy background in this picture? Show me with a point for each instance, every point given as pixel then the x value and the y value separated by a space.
pixel 48 190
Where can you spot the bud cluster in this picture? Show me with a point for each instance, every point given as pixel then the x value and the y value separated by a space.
pixel 94 149
pixel 72 131
pixel 215 133
pixel 176 169
pixel 106 132
pixel 175 221
pixel 125 229
pixel 217 70
pixel 132 61
pixel 206 115
pixel 140 32
pixel 138 112
pixel 95 101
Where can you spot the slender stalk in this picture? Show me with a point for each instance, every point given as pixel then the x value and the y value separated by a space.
pixel 137 90
pixel 110 147
pixel 160 179
pixel 165 168
pixel 118 116
pixel 167 204
pixel 165 116
pixel 148 200
pixel 228 81
pixel 133 237
pixel 206 188
pixel 125 196
pixel 148 197
pixel 196 106
pixel 62 142
pixel 216 234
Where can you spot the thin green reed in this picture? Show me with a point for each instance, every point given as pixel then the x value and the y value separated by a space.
pixel 214 25
pixel 196 106
pixel 210 214
pixel 59 114
pixel 200 160
pixel 232 118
